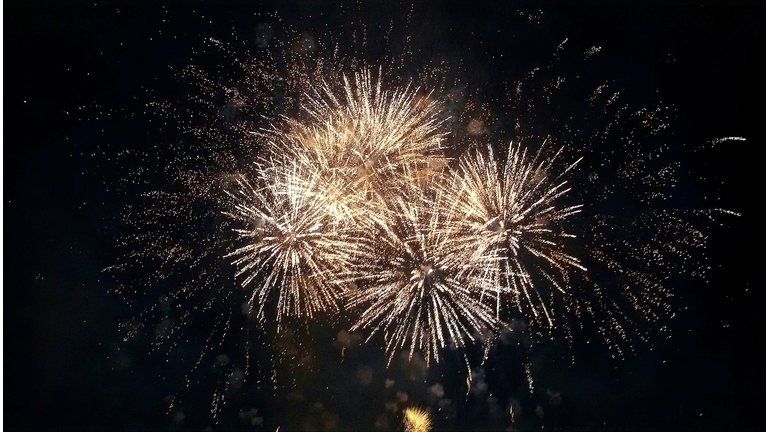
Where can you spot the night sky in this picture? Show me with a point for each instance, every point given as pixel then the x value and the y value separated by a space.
pixel 78 76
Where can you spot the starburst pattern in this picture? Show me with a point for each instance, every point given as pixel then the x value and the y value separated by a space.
pixel 513 216
pixel 354 207
pixel 414 288
pixel 365 206
pixel 417 420
pixel 328 178
pixel 364 141
pixel 287 238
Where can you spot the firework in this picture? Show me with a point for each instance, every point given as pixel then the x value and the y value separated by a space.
pixel 328 177
pixel 353 208
pixel 365 140
pixel 413 289
pixel 513 217
pixel 287 239
pixel 417 420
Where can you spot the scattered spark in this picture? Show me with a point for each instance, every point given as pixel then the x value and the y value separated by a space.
pixel 724 139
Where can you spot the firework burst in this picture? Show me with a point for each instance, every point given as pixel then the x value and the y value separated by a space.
pixel 417 420
pixel 354 208
pixel 413 287
pixel 365 140
pixel 513 217
pixel 287 239
pixel 328 178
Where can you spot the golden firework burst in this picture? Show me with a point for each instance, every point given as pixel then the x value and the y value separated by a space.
pixel 371 140
pixel 413 287
pixel 513 217
pixel 417 420
pixel 289 241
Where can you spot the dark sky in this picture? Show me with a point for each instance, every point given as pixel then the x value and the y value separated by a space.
pixel 67 64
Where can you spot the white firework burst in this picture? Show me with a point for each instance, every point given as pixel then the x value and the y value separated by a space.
pixel 288 242
pixel 513 217
pixel 412 287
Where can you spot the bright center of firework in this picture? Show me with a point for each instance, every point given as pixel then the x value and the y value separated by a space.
pixel 503 234
pixel 289 237
pixel 426 273
pixel 495 225
pixel 369 167
pixel 370 163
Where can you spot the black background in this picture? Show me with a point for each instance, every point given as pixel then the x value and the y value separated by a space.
pixel 60 323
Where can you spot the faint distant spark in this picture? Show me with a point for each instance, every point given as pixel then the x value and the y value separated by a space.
pixel 724 139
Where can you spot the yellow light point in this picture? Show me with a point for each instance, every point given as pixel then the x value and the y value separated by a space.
pixel 417 420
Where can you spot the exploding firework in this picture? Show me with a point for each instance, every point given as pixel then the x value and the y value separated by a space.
pixel 413 286
pixel 352 194
pixel 417 420
pixel 328 178
pixel 364 141
pixel 288 241
pixel 340 199
pixel 512 217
